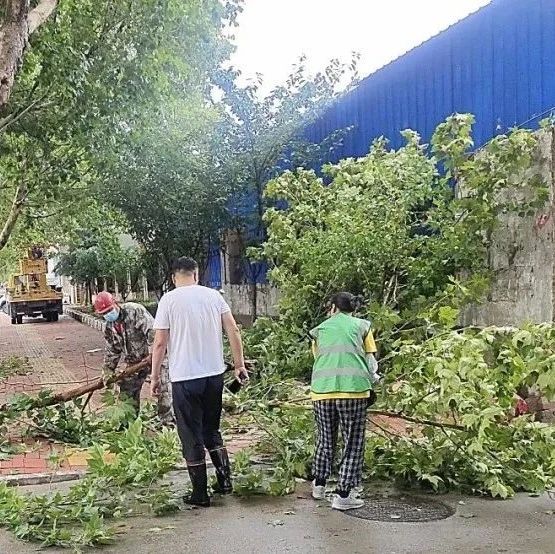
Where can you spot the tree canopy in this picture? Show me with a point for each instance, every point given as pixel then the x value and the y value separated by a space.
pixel 389 226
pixel 170 186
pixel 200 163
pixel 89 76
pixel 264 134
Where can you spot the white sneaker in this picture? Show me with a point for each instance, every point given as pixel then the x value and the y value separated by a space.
pixel 318 491
pixel 349 503
pixel 357 492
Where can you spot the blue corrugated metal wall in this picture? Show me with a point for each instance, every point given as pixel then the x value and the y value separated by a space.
pixel 213 274
pixel 498 64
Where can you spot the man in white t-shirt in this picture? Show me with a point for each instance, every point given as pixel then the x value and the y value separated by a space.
pixel 189 323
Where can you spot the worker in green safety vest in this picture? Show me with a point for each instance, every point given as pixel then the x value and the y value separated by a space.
pixel 344 372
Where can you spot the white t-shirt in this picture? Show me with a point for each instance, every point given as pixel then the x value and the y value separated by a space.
pixel 193 315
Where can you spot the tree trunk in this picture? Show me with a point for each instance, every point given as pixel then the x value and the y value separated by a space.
pixel 144 285
pixel 16 24
pixel 88 297
pixel 15 211
pixel 14 34
pixel 254 300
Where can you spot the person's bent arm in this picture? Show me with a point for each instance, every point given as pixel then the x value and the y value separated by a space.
pixel 158 352
pixel 112 354
pixel 370 349
pixel 145 324
pixel 234 335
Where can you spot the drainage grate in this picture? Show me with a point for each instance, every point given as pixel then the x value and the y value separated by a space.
pixel 402 509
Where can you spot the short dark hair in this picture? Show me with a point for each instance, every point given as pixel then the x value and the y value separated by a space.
pixel 184 265
pixel 346 302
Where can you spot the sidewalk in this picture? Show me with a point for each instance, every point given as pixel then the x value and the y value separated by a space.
pixel 44 457
pixel 60 355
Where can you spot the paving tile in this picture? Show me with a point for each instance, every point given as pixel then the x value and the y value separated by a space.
pixel 57 362
pixel 35 464
pixel 34 455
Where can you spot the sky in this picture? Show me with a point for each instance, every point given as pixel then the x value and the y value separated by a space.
pixel 272 34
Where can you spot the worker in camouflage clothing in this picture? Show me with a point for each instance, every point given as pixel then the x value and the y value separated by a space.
pixel 129 333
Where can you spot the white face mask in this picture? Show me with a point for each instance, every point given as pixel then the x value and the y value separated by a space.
pixel 112 315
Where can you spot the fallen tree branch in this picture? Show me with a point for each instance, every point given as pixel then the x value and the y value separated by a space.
pixel 76 392
pixel 291 403
pixel 71 394
pixel 429 422
pixel 295 401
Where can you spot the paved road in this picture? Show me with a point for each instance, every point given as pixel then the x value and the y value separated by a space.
pixel 253 526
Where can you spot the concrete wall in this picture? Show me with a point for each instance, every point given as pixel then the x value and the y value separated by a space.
pixel 240 299
pixel 523 260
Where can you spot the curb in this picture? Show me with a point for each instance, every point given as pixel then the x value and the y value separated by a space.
pixel 25 479
pixel 86 319
pixel 28 479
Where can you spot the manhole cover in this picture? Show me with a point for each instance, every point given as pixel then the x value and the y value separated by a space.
pixel 402 509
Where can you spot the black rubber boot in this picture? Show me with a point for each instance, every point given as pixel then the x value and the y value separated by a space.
pixel 220 459
pixel 199 480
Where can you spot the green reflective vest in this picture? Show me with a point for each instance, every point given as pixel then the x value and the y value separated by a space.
pixel 340 360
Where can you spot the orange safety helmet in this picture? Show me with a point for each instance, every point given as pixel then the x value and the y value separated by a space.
pixel 104 302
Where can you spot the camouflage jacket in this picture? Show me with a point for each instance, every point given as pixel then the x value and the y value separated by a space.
pixel 130 336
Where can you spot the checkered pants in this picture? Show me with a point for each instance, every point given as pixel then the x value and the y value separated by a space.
pixel 350 415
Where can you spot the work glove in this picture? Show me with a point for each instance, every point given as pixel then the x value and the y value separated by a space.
pixel 373 368
pixel 375 377
pixel 107 374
